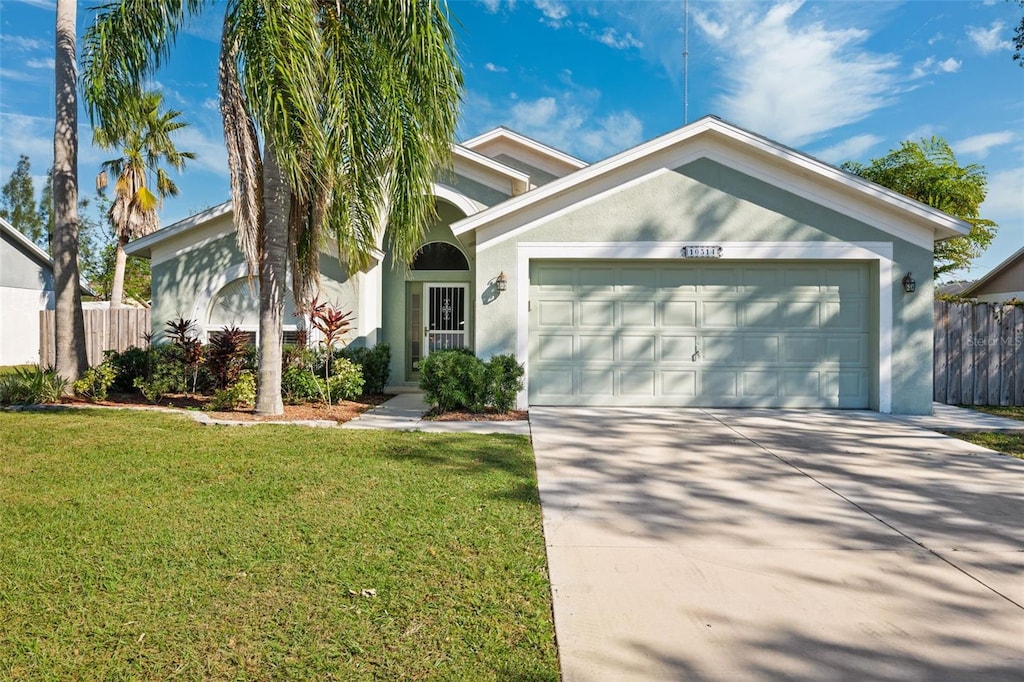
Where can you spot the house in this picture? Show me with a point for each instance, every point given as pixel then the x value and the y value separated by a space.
pixel 1003 283
pixel 707 267
pixel 26 287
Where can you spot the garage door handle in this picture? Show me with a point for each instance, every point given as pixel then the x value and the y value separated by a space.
pixel 696 355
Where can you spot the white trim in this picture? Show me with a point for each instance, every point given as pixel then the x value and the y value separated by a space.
pixel 880 252
pixel 142 245
pixel 466 304
pixel 516 181
pixel 501 132
pixel 457 199
pixel 941 224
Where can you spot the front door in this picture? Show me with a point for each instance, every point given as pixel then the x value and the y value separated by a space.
pixel 444 317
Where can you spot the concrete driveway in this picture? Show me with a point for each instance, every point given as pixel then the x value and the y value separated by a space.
pixel 773 544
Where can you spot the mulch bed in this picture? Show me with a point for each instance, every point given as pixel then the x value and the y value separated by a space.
pixel 342 412
pixel 487 416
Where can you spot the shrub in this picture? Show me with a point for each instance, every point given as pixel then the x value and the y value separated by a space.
pixel 504 381
pixel 454 380
pixel 242 393
pixel 156 388
pixel 31 386
pixel 300 385
pixel 226 355
pixel 96 381
pixel 188 350
pixel 129 365
pixel 345 383
pixel 375 363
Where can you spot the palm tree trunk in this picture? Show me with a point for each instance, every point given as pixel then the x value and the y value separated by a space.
pixel 117 286
pixel 273 268
pixel 69 323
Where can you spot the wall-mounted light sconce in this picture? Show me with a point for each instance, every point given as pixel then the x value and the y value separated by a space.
pixel 909 285
pixel 501 282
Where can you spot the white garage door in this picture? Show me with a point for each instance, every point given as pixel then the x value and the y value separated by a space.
pixel 779 334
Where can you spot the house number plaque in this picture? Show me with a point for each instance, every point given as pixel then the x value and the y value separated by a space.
pixel 701 252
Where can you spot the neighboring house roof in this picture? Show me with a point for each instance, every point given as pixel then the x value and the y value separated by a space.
pixel 953 288
pixel 33 251
pixel 713 138
pixel 989 284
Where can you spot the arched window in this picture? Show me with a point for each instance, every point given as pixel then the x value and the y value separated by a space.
pixel 237 305
pixel 439 256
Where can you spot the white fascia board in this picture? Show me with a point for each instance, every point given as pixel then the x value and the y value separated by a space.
pixel 194 238
pixel 939 224
pixel 143 245
pixel 502 133
pixel 38 254
pixel 469 163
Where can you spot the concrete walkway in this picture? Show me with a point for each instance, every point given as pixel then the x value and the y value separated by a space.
pixel 952 418
pixel 778 544
pixel 405 412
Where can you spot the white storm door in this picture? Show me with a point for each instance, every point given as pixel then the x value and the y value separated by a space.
pixel 444 316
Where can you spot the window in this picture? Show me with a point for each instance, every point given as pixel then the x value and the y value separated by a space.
pixel 237 305
pixel 439 256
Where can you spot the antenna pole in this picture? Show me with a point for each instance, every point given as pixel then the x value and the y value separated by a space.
pixel 686 61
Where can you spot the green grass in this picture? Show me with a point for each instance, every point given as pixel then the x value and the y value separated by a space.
pixel 145 546
pixel 1008 412
pixel 1006 443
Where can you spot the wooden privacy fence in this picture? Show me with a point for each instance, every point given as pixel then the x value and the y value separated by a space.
pixel 104 330
pixel 979 353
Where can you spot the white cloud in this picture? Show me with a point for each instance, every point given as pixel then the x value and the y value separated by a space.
pixel 922 132
pixel 611 38
pixel 23 43
pixel 554 12
pixel 23 76
pixel 210 152
pixel 795 79
pixel 568 122
pixel 851 149
pixel 1004 202
pixel 43 4
pixel 931 65
pixel 40 64
pixel 495 68
pixel 211 104
pixel 980 145
pixel 989 40
pixel 491 5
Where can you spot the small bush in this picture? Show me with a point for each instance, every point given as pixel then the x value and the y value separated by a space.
pixel 226 355
pixel 154 389
pixel 454 380
pixel 96 381
pixel 504 381
pixel 345 382
pixel 375 363
pixel 242 393
pixel 129 365
pixel 300 385
pixel 31 386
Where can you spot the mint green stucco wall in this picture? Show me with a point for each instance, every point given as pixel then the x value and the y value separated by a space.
pixel 396 278
pixel 705 201
pixel 178 283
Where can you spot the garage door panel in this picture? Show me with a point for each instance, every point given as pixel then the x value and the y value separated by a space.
pixel 555 313
pixel 759 314
pixel 637 313
pixel 556 347
pixel 682 383
pixel 679 314
pixel 636 382
pixel 628 333
pixel 598 382
pixel 597 313
pixel 720 314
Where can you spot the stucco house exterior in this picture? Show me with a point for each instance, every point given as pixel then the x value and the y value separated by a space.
pixel 1004 282
pixel 26 287
pixel 707 267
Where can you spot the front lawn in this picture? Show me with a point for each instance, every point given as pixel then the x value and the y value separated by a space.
pixel 1007 443
pixel 1008 412
pixel 145 546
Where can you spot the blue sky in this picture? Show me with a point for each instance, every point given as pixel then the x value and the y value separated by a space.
pixel 841 80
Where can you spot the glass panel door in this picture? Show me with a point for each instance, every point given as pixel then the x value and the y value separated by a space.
pixel 444 317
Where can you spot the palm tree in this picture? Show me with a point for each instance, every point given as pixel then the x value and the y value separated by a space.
pixel 355 102
pixel 144 137
pixel 69 322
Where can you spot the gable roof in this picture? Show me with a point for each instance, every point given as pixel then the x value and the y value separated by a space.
pixel 1016 259
pixel 519 182
pixel 502 138
pixel 143 245
pixel 36 253
pixel 714 138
